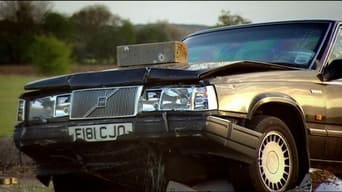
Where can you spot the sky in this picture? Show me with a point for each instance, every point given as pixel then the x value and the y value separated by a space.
pixel 207 12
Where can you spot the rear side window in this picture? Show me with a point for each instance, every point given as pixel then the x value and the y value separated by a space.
pixel 337 48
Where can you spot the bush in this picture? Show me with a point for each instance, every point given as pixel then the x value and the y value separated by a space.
pixel 50 55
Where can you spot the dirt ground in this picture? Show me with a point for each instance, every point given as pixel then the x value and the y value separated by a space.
pixel 12 161
pixel 20 166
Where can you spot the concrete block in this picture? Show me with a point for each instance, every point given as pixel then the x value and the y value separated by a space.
pixel 152 53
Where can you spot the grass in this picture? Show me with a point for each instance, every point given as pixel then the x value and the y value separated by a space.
pixel 11 86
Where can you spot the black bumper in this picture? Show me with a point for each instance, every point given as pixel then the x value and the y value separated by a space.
pixel 152 125
pixel 57 153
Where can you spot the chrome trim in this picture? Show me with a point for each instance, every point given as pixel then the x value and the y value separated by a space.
pixel 91 110
pixel 24 110
pixel 335 82
pixel 316 91
pixel 55 104
pixel 318 132
pixel 319 48
pixel 136 102
pixel 330 45
pixel 326 161
pixel 334 133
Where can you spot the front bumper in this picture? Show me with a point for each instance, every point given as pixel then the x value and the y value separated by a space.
pixel 57 153
pixel 149 125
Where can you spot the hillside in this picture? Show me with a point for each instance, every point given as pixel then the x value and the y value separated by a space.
pixel 190 28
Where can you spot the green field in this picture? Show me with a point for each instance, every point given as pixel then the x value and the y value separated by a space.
pixel 11 86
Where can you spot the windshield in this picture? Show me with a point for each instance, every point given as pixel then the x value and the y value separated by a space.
pixel 293 45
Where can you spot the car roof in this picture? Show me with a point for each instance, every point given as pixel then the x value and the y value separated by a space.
pixel 260 24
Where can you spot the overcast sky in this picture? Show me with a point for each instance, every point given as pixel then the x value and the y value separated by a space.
pixel 207 12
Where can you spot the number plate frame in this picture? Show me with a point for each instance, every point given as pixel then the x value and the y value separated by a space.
pixel 102 132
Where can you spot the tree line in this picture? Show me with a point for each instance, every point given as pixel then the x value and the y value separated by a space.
pixel 31 33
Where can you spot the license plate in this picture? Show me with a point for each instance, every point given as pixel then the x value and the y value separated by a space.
pixel 104 132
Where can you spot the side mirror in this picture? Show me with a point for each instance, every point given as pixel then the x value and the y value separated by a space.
pixel 332 71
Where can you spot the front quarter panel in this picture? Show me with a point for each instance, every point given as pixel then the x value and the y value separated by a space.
pixel 244 94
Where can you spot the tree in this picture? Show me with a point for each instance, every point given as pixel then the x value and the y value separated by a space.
pixel 92 18
pixel 102 45
pixel 50 55
pixel 95 28
pixel 226 18
pixel 58 25
pixel 126 33
pixel 19 22
pixel 98 33
pixel 159 31
pixel 24 12
pixel 154 32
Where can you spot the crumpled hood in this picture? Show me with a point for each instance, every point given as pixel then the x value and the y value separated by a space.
pixel 150 75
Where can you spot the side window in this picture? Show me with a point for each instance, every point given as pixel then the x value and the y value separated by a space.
pixel 337 49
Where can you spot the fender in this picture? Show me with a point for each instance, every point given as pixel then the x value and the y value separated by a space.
pixel 280 98
pixel 265 98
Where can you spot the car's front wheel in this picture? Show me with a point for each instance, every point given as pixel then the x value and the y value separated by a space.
pixel 79 183
pixel 276 166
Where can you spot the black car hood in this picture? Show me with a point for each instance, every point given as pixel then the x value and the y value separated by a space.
pixel 150 75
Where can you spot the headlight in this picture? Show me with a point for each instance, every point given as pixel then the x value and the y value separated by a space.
pixel 21 110
pixel 49 107
pixel 179 99
pixel 62 106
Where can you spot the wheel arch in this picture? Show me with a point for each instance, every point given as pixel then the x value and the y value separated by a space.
pixel 288 110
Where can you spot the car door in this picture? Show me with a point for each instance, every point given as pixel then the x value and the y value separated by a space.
pixel 334 107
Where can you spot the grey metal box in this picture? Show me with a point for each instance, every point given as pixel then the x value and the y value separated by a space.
pixel 152 53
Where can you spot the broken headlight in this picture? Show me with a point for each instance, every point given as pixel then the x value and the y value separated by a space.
pixel 49 107
pixel 190 98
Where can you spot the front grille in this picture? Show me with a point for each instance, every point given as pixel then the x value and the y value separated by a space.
pixel 105 102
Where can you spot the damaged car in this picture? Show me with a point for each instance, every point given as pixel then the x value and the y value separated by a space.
pixel 263 98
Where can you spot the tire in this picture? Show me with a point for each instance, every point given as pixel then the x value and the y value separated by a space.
pixel 63 183
pixel 276 166
pixel 77 183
